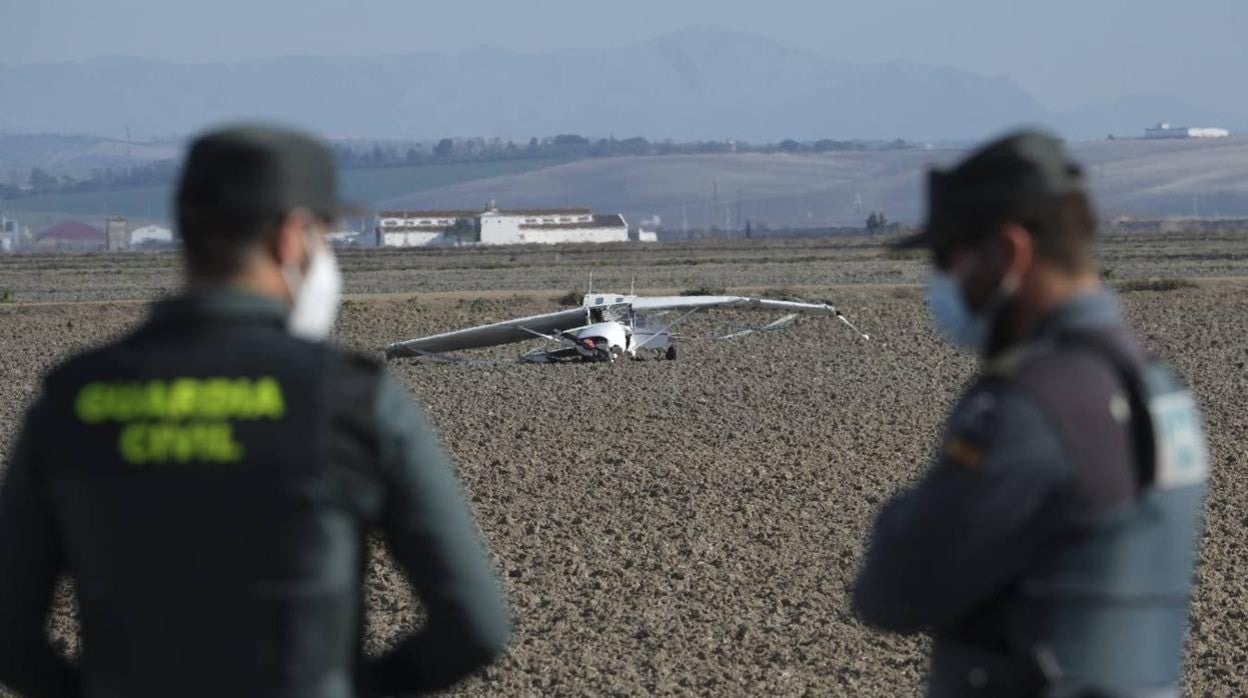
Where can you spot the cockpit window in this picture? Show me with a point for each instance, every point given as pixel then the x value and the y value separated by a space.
pixel 598 300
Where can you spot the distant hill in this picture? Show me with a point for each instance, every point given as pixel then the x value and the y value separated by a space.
pixel 74 154
pixel 695 84
pixel 365 186
pixel 1145 179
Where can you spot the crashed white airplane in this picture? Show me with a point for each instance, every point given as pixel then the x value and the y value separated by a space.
pixel 607 326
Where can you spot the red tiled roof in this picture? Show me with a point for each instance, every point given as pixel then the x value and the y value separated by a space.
pixel 72 230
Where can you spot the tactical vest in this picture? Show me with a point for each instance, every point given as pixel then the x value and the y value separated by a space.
pixel 192 473
pixel 1105 610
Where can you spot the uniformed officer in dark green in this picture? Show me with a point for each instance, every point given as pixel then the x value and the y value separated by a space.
pixel 209 479
pixel 1049 547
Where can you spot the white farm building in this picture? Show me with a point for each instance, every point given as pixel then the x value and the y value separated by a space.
pixel 1164 131
pixel 492 226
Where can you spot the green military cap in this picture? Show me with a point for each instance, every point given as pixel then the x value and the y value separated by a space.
pixel 246 171
pixel 1011 177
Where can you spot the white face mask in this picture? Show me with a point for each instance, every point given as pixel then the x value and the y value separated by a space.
pixel 956 322
pixel 317 294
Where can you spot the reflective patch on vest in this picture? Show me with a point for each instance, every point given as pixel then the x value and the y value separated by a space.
pixel 969 428
pixel 963 453
pixel 180 420
pixel 1182 459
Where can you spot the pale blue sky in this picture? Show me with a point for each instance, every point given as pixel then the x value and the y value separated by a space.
pixel 1064 52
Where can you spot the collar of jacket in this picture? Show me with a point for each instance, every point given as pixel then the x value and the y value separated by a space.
pixel 1093 310
pixel 218 304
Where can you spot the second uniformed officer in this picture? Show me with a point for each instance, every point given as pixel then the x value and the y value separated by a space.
pixel 1049 547
pixel 208 480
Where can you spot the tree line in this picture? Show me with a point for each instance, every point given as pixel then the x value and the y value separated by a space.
pixel 576 147
pixel 40 181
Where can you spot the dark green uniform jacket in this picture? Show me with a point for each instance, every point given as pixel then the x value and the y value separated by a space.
pixel 207 482
pixel 1050 546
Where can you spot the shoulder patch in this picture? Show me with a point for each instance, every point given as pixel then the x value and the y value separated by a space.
pixel 969 429
pixel 1182 457
pixel 964 453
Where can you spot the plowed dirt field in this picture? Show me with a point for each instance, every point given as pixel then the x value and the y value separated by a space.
pixel 691 527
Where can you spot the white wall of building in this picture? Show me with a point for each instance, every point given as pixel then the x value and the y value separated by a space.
pixel 1164 130
pixel 415 238
pixel 427 222
pixel 516 227
pixel 150 233
pixel 516 230
pixel 1208 133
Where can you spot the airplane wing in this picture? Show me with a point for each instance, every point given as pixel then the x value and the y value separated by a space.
pixel 656 303
pixel 506 332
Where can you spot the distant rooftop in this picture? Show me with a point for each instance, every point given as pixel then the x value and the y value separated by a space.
pixel 471 213
pixel 72 230
pixel 612 220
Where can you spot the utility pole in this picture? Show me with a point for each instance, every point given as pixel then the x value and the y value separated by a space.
pixel 738 207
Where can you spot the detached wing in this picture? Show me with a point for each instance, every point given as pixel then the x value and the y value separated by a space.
pixel 660 303
pixel 506 332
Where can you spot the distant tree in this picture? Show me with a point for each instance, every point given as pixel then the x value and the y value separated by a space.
pixel 789 145
pixel 571 140
pixel 464 229
pixel 633 146
pixel 876 222
pixel 41 182
pixel 444 149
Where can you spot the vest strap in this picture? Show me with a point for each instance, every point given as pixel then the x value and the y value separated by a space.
pixel 1128 372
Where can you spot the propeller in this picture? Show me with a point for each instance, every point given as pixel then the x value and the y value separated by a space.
pixel 602 349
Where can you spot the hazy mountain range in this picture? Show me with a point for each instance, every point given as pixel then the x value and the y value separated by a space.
pixel 694 84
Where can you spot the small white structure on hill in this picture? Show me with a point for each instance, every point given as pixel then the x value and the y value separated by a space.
pixel 1164 131
pixel 493 226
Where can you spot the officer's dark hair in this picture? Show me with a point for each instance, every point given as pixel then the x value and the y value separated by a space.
pixel 1062 226
pixel 216 248
pixel 1063 229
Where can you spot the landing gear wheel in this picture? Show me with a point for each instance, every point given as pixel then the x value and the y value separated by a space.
pixel 671 353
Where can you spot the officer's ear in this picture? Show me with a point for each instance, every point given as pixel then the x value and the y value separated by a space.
pixel 1018 250
pixel 290 239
